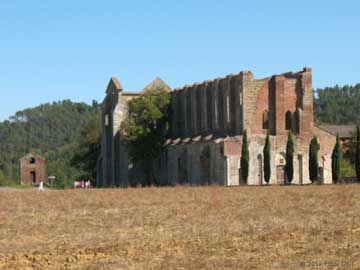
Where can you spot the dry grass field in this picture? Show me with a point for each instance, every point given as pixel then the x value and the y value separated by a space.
pixel 182 228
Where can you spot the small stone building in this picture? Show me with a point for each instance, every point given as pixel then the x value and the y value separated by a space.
pixel 207 124
pixel 32 169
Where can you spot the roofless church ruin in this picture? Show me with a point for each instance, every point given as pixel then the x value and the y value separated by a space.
pixel 207 124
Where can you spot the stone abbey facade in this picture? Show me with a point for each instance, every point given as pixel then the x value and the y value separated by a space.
pixel 207 123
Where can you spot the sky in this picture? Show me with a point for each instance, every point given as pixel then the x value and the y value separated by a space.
pixel 55 50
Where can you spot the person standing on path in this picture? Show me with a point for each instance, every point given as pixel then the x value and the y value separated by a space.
pixel 41 186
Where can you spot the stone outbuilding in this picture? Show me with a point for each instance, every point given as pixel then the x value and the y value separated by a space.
pixel 32 169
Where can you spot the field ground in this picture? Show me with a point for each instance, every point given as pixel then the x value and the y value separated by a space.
pixel 182 228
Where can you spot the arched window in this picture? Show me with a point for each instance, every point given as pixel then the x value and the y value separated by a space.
pixel 288 120
pixel 32 160
pixel 265 120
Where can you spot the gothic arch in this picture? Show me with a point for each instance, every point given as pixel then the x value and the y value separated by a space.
pixel 205 165
pixel 182 167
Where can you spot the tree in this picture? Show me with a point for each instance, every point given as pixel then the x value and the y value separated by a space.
pixel 244 158
pixel 357 155
pixel 88 150
pixel 289 168
pixel 338 105
pixel 267 160
pixel 313 159
pixel 145 128
pixel 335 161
pixel 52 130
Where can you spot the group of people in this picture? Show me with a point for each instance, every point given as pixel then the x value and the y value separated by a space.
pixel 82 184
pixel 77 184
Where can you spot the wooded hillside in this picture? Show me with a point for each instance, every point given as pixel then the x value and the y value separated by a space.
pixel 51 130
pixel 338 105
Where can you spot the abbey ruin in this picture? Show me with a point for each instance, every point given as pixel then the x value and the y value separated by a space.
pixel 207 123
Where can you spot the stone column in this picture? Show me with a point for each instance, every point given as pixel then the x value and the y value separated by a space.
pixel 192 90
pixel 221 107
pixel 214 106
pixel 180 115
pixel 225 88
pixel 280 105
pixel 237 103
pixel 306 119
pixel 174 116
pixel 203 109
pixel 188 112
pixel 247 97
pixel 184 112
pixel 209 107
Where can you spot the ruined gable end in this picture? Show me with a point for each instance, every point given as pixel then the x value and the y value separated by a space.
pixel 114 84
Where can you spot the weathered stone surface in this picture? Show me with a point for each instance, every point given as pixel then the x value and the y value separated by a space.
pixel 207 123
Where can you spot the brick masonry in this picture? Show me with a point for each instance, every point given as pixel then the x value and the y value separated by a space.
pixel 32 169
pixel 208 120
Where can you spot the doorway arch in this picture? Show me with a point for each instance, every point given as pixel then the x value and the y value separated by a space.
pixel 33 177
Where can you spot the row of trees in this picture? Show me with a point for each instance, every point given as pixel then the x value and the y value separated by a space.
pixel 289 167
pixel 244 162
pixel 337 105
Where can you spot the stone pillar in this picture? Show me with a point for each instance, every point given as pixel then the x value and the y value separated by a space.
pixel 188 112
pixel 184 112
pixel 203 108
pixel 215 106
pixel 193 110
pixel 209 108
pixel 198 91
pixel 174 116
pixel 221 107
pixel 180 115
pixel 247 97
pixel 306 118
pixel 225 88
pixel 280 105
pixel 237 103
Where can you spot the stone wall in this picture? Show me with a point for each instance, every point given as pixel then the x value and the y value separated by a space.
pixel 200 163
pixel 276 98
pixel 207 121
pixel 256 143
pixel 210 107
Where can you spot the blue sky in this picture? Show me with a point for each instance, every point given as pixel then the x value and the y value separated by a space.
pixel 54 50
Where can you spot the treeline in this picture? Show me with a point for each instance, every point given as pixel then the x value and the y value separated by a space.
pixel 53 130
pixel 337 105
